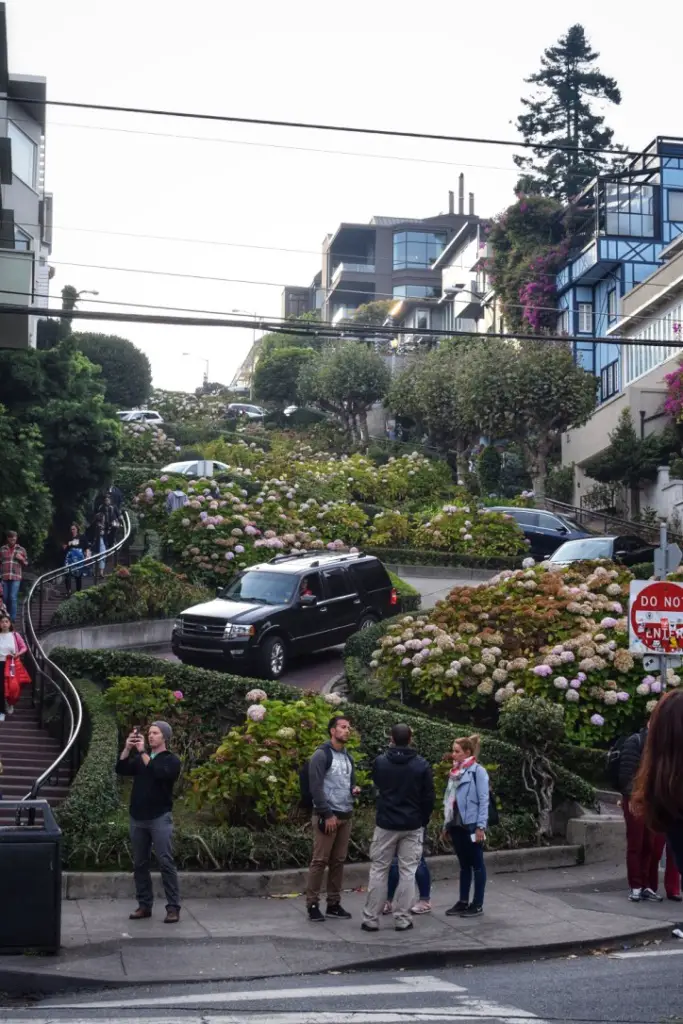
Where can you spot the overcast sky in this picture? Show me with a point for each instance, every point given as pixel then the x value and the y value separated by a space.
pixel 433 66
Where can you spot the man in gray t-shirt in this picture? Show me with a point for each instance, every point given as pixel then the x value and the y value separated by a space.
pixel 332 785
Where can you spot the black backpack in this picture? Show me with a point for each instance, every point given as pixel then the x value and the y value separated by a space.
pixel 494 816
pixel 613 761
pixel 305 780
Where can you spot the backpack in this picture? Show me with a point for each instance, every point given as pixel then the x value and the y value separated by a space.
pixel 306 796
pixel 613 759
pixel 494 816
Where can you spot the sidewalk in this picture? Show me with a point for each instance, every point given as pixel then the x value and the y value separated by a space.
pixel 539 913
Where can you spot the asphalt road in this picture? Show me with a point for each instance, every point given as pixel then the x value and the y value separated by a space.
pixel 595 989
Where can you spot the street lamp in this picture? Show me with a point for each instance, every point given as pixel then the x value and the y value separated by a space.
pixel 86 291
pixel 202 359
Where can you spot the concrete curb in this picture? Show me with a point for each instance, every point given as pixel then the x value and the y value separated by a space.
pixel 441 572
pixel 93 885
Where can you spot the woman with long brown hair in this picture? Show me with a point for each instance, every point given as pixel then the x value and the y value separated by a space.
pixel 658 787
pixel 466 815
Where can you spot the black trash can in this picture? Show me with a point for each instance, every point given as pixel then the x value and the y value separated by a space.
pixel 30 877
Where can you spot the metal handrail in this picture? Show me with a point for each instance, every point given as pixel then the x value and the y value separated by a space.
pixel 618 522
pixel 67 691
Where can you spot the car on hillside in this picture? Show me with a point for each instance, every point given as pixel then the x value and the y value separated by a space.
pixel 545 531
pixel 628 549
pixel 191 468
pixel 251 412
pixel 141 416
pixel 292 605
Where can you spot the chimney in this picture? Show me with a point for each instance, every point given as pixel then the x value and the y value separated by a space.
pixel 461 194
pixel 471 204
pixel 451 202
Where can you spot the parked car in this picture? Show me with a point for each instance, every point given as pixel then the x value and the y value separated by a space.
pixel 252 412
pixel 545 531
pixel 192 468
pixel 294 604
pixel 627 549
pixel 140 416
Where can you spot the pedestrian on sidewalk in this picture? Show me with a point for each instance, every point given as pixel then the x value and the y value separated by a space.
pixel 423 880
pixel 12 646
pixel 658 787
pixel 75 551
pixel 466 815
pixel 13 561
pixel 332 784
pixel 151 818
pixel 644 848
pixel 405 801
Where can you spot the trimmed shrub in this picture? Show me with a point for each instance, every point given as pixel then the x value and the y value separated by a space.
pixel 449 559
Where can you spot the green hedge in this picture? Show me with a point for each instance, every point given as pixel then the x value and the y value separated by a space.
pixel 409 599
pixel 643 570
pixel 413 556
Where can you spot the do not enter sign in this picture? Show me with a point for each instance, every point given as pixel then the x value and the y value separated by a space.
pixel 656 617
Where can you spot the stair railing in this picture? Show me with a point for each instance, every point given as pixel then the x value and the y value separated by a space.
pixel 49 680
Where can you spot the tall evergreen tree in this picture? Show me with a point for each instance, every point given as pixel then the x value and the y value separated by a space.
pixel 561 113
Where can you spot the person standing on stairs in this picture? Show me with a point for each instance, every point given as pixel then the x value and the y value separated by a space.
pixel 75 551
pixel 13 561
pixel 11 646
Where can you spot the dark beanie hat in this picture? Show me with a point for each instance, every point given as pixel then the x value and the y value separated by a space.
pixel 165 729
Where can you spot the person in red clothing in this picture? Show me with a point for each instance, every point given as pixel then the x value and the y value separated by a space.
pixel 13 561
pixel 12 646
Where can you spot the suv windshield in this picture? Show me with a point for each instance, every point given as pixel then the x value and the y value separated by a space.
pixel 262 588
pixel 580 550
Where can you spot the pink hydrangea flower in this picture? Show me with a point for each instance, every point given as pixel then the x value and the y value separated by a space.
pixel 178 694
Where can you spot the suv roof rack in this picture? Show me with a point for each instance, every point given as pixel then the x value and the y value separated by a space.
pixel 317 555
pixel 287 558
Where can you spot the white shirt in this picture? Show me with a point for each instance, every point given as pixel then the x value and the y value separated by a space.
pixel 8 645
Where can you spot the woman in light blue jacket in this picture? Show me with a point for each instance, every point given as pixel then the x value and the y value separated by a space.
pixel 466 815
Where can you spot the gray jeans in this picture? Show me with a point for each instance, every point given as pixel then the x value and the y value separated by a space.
pixel 144 835
pixel 386 844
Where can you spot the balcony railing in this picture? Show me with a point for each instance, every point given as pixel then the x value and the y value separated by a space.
pixel 352 268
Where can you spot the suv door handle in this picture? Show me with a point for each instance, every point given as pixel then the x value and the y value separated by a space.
pixel 357 601
pixel 321 610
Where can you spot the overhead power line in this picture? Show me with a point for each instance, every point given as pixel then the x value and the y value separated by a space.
pixel 314 328
pixel 314 126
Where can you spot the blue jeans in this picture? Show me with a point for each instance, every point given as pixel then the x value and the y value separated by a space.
pixel 422 877
pixel 471 858
pixel 10 595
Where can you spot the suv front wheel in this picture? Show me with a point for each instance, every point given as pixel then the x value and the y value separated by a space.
pixel 273 660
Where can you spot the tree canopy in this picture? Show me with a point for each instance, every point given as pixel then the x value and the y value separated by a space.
pixel 25 504
pixel 126 371
pixel 276 377
pixel 347 380
pixel 562 112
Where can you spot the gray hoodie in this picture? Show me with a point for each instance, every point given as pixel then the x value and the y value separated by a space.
pixel 331 788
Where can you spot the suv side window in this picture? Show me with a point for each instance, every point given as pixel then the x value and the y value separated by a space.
pixel 311 584
pixel 371 576
pixel 548 522
pixel 337 583
pixel 525 517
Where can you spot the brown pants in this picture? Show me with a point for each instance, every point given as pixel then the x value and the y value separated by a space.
pixel 329 851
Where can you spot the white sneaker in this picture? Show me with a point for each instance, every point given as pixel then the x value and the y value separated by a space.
pixel 2 718
pixel 635 895
pixel 10 710
pixel 653 897
pixel 678 931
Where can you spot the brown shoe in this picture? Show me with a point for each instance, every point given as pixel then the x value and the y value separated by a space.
pixel 172 915
pixel 141 912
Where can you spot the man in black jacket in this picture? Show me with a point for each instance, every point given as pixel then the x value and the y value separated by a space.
pixel 405 801
pixel 151 821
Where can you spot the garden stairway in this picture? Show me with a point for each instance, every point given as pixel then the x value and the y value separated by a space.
pixel 26 751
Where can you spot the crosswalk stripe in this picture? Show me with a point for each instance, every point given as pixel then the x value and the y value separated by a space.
pixel 477 1011
pixel 637 953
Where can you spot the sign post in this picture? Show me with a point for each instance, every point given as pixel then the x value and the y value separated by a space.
pixel 656 611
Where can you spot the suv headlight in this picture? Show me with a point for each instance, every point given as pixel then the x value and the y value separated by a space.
pixel 178 624
pixel 237 631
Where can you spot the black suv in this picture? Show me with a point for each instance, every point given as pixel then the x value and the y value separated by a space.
pixel 294 604
pixel 545 531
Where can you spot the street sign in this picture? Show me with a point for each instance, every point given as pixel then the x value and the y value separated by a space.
pixel 656 617
pixel 667 559
pixel 651 662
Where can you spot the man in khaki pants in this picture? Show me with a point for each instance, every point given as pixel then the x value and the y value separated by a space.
pixel 405 802
pixel 332 786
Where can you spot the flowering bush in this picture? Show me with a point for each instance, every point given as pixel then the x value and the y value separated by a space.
pixel 144 444
pixel 139 700
pixel 253 777
pixel 472 531
pixel 558 635
pixel 390 529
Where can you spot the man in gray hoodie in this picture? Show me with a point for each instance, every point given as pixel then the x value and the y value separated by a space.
pixel 332 785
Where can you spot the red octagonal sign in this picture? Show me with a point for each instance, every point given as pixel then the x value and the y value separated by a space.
pixel 656 617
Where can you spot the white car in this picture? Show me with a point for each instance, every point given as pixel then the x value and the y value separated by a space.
pixel 191 468
pixel 252 412
pixel 141 416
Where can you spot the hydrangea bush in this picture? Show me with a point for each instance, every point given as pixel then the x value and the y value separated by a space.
pixel 470 530
pixel 145 444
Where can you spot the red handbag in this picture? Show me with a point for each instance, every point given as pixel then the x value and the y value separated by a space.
pixel 12 684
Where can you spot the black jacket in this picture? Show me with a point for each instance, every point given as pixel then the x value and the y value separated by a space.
pixel 152 793
pixel 405 790
pixel 629 762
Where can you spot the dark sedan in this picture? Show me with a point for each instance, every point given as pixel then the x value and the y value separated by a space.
pixel 626 549
pixel 545 531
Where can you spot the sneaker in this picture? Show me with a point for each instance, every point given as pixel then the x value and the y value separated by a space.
pixel 388 908
pixel 635 895
pixel 677 931
pixel 422 907
pixel 2 718
pixel 314 913
pixel 365 927
pixel 10 710
pixel 336 910
pixel 651 895
pixel 473 910
pixel 457 908
pixel 404 927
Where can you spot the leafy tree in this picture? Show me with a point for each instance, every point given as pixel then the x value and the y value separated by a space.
pixel 374 312
pixel 561 113
pixel 24 499
pixel 214 390
pixel 277 374
pixel 630 460
pixel 126 372
pixel 346 380
pixel 488 470
pixel 527 392
pixel 69 300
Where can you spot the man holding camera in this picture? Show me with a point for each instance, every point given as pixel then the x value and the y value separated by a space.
pixel 151 820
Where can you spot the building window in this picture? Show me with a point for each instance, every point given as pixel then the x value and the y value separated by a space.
pixel 675 205
pixel 629 210
pixel 417 250
pixel 422 319
pixel 416 291
pixel 585 318
pixel 609 380
pixel 23 155
pixel 563 322
pixel 612 305
pixel 22 240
